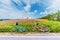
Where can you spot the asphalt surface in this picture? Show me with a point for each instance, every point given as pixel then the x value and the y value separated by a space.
pixel 42 36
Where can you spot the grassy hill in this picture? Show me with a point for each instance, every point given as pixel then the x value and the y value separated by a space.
pixel 29 25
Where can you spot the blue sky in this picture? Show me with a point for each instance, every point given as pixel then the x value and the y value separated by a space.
pixel 18 9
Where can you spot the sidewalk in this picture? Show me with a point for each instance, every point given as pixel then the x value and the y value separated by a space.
pixel 29 36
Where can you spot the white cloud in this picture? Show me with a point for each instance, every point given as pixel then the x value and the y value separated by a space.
pixel 12 14
pixel 7 2
pixel 55 6
pixel 27 7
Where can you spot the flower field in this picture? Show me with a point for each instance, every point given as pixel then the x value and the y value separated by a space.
pixel 28 25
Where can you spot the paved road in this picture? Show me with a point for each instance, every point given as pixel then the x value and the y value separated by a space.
pixel 31 37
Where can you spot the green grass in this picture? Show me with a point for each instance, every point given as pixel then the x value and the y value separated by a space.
pixel 54 26
pixel 8 26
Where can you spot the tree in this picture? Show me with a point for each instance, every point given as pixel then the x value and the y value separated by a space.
pixel 52 16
